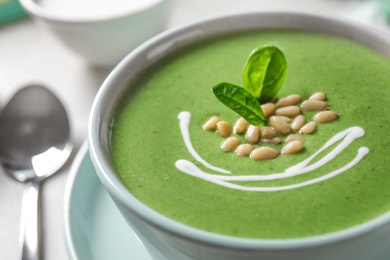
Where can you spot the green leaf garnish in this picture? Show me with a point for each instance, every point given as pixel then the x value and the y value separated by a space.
pixel 263 76
pixel 264 72
pixel 241 101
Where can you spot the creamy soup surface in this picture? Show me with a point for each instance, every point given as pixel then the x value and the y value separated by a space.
pixel 147 140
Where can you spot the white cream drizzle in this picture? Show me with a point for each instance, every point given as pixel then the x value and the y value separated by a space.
pixel 184 118
pixel 348 136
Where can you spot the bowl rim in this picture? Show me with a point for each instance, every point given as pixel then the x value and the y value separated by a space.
pixel 120 193
pixel 34 8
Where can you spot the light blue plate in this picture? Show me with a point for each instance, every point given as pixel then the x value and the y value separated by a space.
pixel 94 228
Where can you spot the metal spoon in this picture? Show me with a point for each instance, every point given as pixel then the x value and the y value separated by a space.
pixel 34 144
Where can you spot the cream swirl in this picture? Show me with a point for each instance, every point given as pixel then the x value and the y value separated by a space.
pixel 347 136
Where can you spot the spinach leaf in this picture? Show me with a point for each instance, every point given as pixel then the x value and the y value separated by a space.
pixel 241 101
pixel 264 72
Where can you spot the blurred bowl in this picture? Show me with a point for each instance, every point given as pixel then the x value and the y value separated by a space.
pixel 100 32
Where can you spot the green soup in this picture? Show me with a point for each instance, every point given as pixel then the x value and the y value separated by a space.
pixel 146 138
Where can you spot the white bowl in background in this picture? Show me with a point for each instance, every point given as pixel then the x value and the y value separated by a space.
pixel 101 32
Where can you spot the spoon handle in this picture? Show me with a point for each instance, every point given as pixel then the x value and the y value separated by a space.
pixel 30 222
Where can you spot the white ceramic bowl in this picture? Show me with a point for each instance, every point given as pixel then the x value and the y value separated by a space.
pixel 167 239
pixel 101 38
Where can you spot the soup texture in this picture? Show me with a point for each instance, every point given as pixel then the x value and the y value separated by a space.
pixel 154 158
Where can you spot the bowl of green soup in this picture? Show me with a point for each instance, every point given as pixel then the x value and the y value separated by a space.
pixel 251 136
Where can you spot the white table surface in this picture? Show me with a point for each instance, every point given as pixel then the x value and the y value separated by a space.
pixel 28 54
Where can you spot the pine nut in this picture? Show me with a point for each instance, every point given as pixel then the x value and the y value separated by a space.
pixel 211 123
pixel 230 144
pixel 288 101
pixel 275 140
pixel 268 132
pixel 290 111
pixel 253 134
pixel 314 105
pixel 293 137
pixel 244 149
pixel 264 153
pixel 224 129
pixel 284 118
pixel 292 147
pixel 309 128
pixel 240 126
pixel 318 96
pixel 325 116
pixel 268 109
pixel 298 122
pixel 280 125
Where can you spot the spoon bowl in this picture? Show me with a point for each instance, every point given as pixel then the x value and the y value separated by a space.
pixel 35 143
